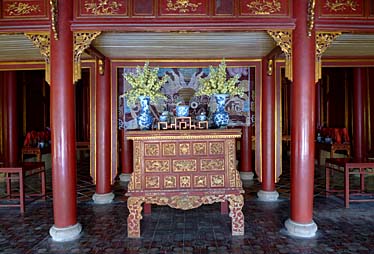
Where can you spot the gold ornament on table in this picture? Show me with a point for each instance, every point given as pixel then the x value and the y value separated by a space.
pixel 145 82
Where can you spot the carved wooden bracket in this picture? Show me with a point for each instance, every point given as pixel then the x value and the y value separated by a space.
pixel 284 41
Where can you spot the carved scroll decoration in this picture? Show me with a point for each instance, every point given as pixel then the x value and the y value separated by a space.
pixel 182 6
pixel 82 41
pixel 104 7
pixel 54 16
pixel 311 14
pixel 42 41
pixel 284 41
pixel 341 5
pixel 19 9
pixel 264 7
pixel 323 41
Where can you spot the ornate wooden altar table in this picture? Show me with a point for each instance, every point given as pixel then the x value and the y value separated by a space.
pixel 184 169
pixel 34 151
pixel 20 172
pixel 332 148
pixel 349 167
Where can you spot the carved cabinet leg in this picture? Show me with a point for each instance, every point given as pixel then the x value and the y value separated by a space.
pixel 236 203
pixel 134 204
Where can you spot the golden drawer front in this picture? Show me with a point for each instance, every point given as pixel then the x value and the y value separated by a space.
pixel 170 182
pixel 216 148
pixel 217 181
pixel 169 149
pixel 157 166
pixel 152 182
pixel 151 149
pixel 212 164
pixel 184 165
pixel 200 181
pixel 199 148
pixel 185 181
pixel 184 149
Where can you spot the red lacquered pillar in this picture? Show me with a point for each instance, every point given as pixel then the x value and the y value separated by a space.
pixel 10 117
pixel 126 157
pixel 303 123
pixel 104 194
pixel 268 192
pixel 246 171
pixel 65 226
pixel 359 104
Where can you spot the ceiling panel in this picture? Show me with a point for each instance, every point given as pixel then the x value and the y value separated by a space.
pixel 352 45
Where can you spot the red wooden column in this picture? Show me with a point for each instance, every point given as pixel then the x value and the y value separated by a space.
pixel 126 157
pixel 10 117
pixel 303 99
pixel 359 104
pixel 65 226
pixel 268 192
pixel 246 171
pixel 103 194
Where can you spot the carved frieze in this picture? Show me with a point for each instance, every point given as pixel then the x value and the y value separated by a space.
pixel 216 148
pixel 152 149
pixel 185 181
pixel 168 149
pixel 212 164
pixel 157 166
pixel 152 182
pixel 217 181
pixel 184 149
pixel 200 181
pixel 264 7
pixel 170 182
pixel 199 148
pixel 340 8
pixel 184 165
pixel 103 7
pixel 184 7
pixel 24 9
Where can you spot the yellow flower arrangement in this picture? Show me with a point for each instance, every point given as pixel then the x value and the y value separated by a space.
pixel 145 82
pixel 217 83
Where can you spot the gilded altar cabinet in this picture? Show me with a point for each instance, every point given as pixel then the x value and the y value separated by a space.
pixel 184 169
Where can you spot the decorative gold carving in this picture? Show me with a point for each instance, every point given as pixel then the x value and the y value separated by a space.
pixel 152 149
pixel 182 123
pixel 200 181
pixel 170 182
pixel 168 149
pixel 264 6
pixel 236 203
pixel 82 41
pixel 185 181
pixel 54 16
pixel 184 166
pixel 217 181
pixel 19 9
pixel 199 148
pixel 136 179
pixel 182 6
pixel 216 148
pixel 152 182
pixel 43 43
pixel 184 149
pixel 341 5
pixel 270 68
pixel 104 7
pixel 284 41
pixel 134 204
pixel 187 137
pixel 212 164
pixel 323 41
pixel 157 166
pixel 311 13
pixel 101 66
pixel 233 174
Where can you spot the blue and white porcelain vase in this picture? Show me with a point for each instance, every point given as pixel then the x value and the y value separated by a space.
pixel 220 117
pixel 145 118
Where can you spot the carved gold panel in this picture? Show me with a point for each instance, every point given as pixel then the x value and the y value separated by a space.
pixel 185 181
pixel 212 164
pixel 184 166
pixel 152 182
pixel 170 182
pixel 152 149
pixel 168 149
pixel 217 181
pixel 157 166
pixel 199 148
pixel 216 148
pixel 200 182
pixel 184 149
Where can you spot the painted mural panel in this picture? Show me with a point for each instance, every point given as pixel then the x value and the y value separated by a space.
pixel 184 7
pixel 102 8
pixel 264 7
pixel 180 89
pixel 341 8
pixel 24 9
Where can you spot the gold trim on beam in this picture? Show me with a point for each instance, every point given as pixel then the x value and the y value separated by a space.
pixel 187 137
pixel 42 41
pixel 284 41
pixel 54 16
pixel 311 14
pixel 323 41
pixel 82 41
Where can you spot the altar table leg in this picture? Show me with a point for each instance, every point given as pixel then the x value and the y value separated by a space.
pixel 21 193
pixel 134 204
pixel 236 203
pixel 346 187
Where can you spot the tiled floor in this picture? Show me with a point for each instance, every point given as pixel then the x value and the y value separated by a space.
pixel 201 230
